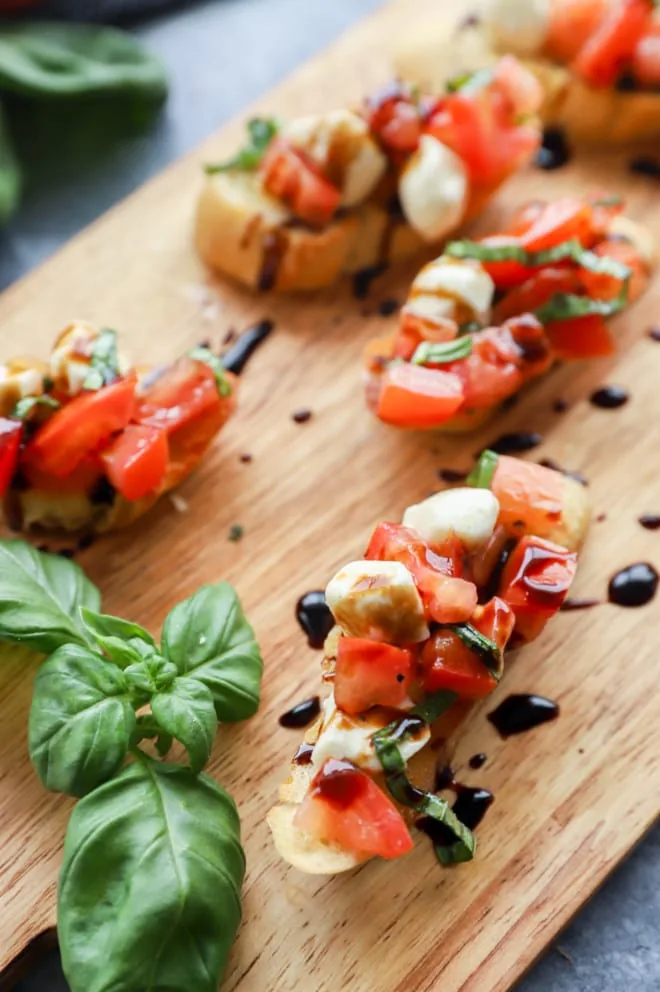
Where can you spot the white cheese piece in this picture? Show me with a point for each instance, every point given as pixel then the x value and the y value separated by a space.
pixel 17 382
pixel 463 280
pixel 342 146
pixel 377 600
pixel 71 356
pixel 349 737
pixel 470 514
pixel 517 26
pixel 433 189
pixel 433 308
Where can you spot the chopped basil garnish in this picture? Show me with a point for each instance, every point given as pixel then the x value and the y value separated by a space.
pixel 470 327
pixel 261 131
pixel 214 362
pixel 608 201
pixel 470 82
pixel 567 250
pixel 435 705
pixel 479 644
pixel 437 353
pixel 104 363
pixel 25 406
pixel 482 474
pixel 565 306
pixel 386 744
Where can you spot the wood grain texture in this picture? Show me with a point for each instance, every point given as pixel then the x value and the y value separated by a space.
pixel 571 797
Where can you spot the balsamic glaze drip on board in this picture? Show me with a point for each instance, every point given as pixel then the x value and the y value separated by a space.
pixel 554 151
pixel 301 416
pixel 302 714
pixel 303 755
pixel 478 760
pixel 470 806
pixel 654 333
pixel 609 397
pixel 645 166
pixel 363 279
pixel 387 307
pixel 650 521
pixel 521 712
pixel 579 604
pixel 507 444
pixel 634 585
pixel 452 475
pixel 560 405
pixel 578 476
pixel 236 358
pixel 314 616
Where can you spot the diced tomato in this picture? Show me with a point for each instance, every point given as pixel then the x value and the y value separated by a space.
pixel 186 391
pixel 395 119
pixel 414 396
pixel 370 673
pixel 447 597
pixel 613 43
pixel 537 290
pixel 520 88
pixel 571 24
pixel 81 427
pixel 136 461
pixel 297 180
pixel 531 496
pixel 509 273
pixel 464 125
pixel 84 477
pixel 565 219
pixel 535 582
pixel 11 432
pixel 344 806
pixel 600 286
pixel 580 337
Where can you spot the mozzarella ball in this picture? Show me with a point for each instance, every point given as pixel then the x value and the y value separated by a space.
pixel 433 189
pixel 377 600
pixel 20 377
pixel 470 514
pixel 463 284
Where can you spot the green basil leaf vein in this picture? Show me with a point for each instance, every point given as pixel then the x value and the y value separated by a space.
pixel 154 836
pixel 40 597
pixel 81 721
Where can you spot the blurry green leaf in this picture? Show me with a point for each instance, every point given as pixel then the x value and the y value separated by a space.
pixel 10 173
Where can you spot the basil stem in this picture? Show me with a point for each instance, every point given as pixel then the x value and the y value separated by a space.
pixel 386 744
pixel 482 474
pixel 567 250
pixel 104 363
pixel 437 353
pixel 486 649
pixel 261 131
pixel 25 406
pixel 204 354
pixel 567 306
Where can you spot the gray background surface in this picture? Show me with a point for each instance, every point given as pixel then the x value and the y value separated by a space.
pixel 220 56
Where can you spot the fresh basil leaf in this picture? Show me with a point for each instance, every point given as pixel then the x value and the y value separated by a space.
pixel 481 476
pixel 261 131
pixel 40 597
pixel 104 360
pixel 149 892
pixel 186 712
pixel 24 407
pixel 147 728
pixel 435 705
pixel 47 59
pixel 214 362
pixel 11 179
pixel 208 639
pixel 81 721
pixel 566 251
pixel 567 306
pixel 103 626
pixel 438 353
pixel 485 649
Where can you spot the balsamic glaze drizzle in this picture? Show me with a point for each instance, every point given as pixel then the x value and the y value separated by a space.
pixel 609 397
pixel 634 585
pixel 236 358
pixel 521 712
pixel 507 444
pixel 314 616
pixel 302 714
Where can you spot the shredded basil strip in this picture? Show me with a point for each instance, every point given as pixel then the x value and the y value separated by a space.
pixel 479 644
pixel 567 250
pixel 470 327
pixel 438 353
pixel 104 363
pixel 214 362
pixel 470 82
pixel 482 474
pixel 261 131
pixel 435 705
pixel 565 306
pixel 25 406
pixel 386 743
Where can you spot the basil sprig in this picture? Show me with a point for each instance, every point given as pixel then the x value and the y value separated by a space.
pixel 261 131
pixel 203 354
pixel 104 361
pixel 386 743
pixel 439 353
pixel 25 406
pixel 566 306
pixel 485 649
pixel 152 848
pixel 481 476
pixel 566 251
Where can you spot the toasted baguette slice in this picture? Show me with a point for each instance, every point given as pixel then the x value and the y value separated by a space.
pixel 428 58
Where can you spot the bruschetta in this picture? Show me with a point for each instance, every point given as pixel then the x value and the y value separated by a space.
pixel 88 443
pixel 489 316
pixel 311 199
pixel 422 624
pixel 598 61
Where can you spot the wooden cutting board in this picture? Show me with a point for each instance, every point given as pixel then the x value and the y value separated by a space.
pixel 572 797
